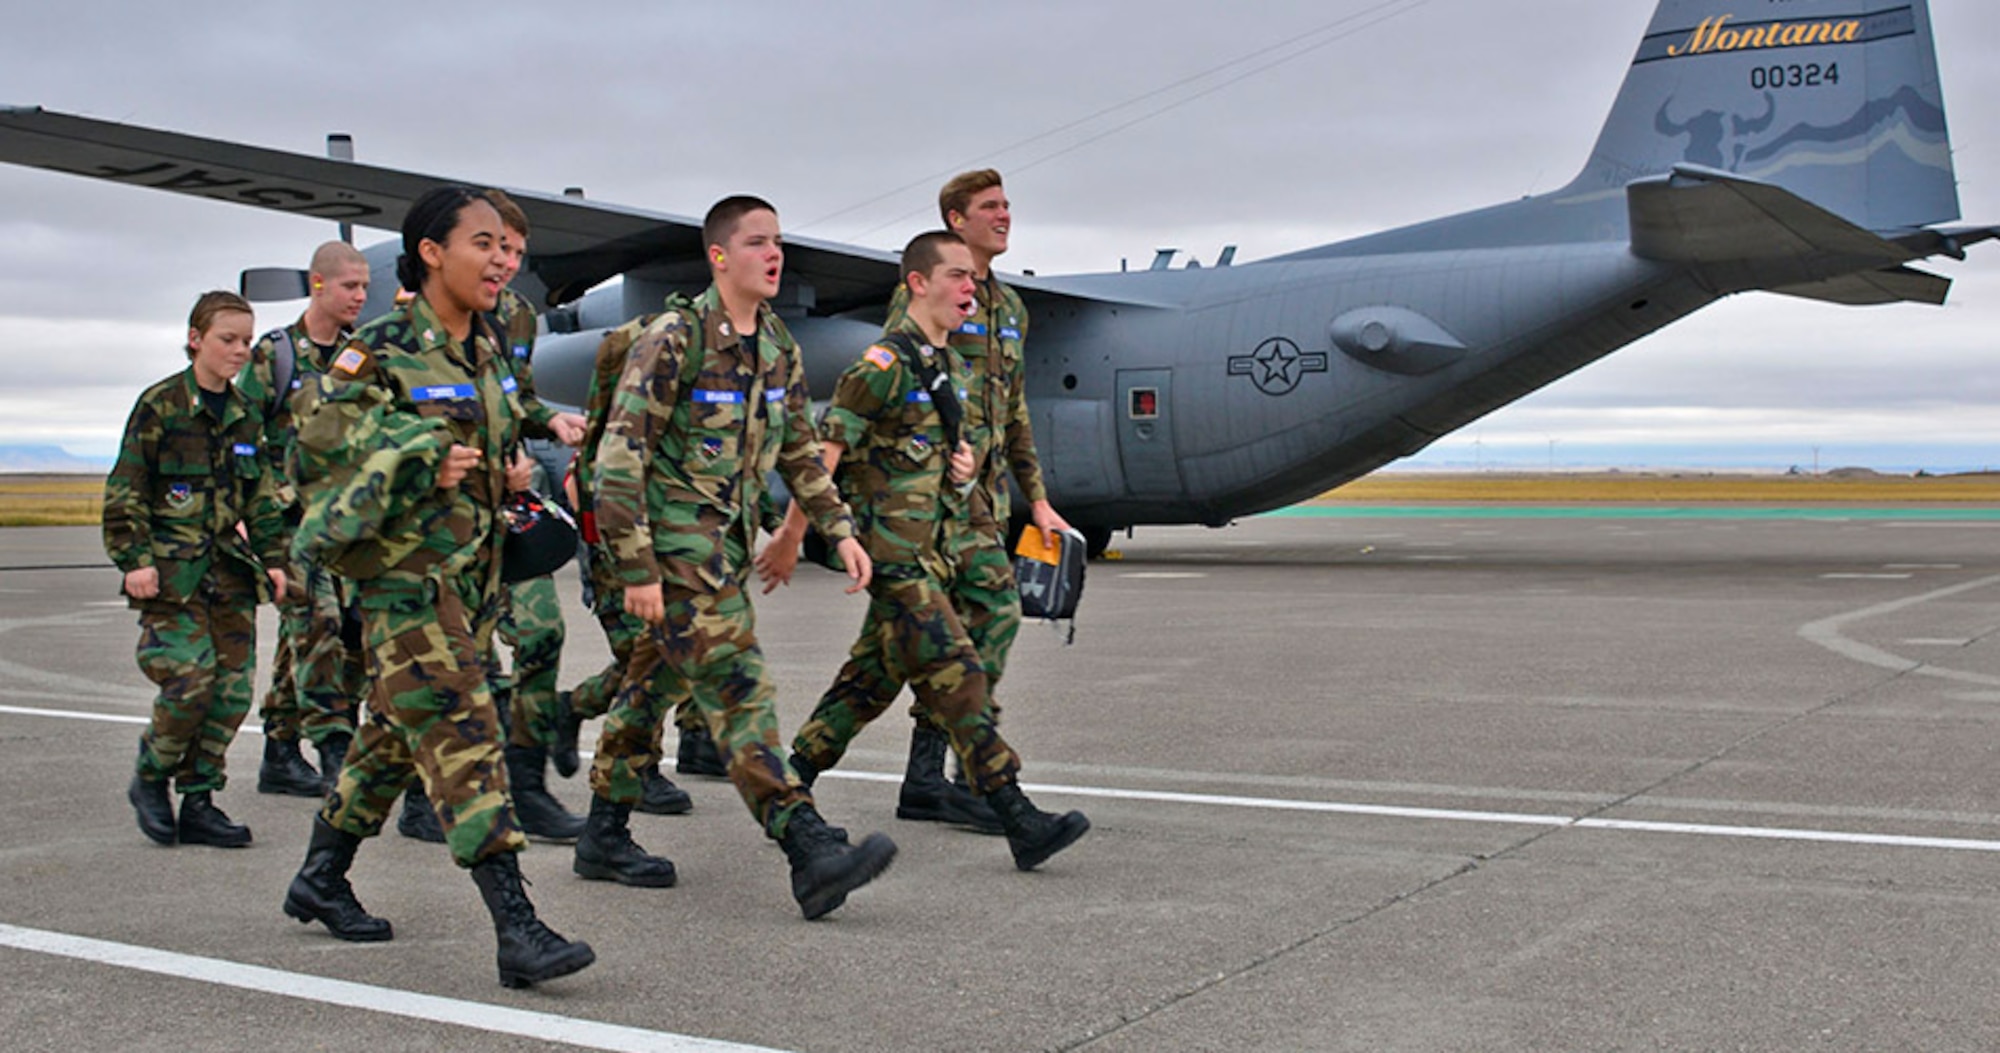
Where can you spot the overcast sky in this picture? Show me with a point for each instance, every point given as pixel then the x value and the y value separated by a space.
pixel 1352 116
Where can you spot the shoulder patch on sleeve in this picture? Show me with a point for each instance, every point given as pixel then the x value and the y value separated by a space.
pixel 878 356
pixel 351 361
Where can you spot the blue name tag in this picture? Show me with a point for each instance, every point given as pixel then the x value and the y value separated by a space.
pixel 717 397
pixel 774 394
pixel 919 396
pixel 1009 333
pixel 509 385
pixel 442 392
pixel 245 449
pixel 973 328
pixel 521 352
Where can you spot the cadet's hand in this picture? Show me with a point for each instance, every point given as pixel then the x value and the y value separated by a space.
pixel 277 577
pixel 1047 521
pixel 143 584
pixel 646 603
pixel 568 428
pixel 520 472
pixel 962 464
pixel 778 560
pixel 855 559
pixel 459 461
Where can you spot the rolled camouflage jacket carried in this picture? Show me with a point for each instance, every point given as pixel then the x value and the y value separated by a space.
pixel 681 467
pixel 370 445
pixel 182 483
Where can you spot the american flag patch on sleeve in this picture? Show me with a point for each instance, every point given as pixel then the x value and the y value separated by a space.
pixel 879 357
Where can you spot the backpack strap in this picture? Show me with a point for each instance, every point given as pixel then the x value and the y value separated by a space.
pixel 932 378
pixel 284 365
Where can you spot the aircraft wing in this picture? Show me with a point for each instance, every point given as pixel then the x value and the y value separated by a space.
pixel 577 243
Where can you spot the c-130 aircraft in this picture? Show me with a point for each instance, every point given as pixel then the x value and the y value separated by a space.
pixel 1796 147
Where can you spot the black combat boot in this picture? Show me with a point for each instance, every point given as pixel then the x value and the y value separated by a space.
pixel 660 796
pixel 530 951
pixel 155 807
pixel 927 796
pixel 539 814
pixel 564 754
pixel 202 823
pixel 332 757
pixel 606 851
pixel 419 821
pixel 285 771
pixel 698 755
pixel 320 891
pixel 1034 835
pixel 825 868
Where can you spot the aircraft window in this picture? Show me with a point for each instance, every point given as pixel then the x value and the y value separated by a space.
pixel 1145 404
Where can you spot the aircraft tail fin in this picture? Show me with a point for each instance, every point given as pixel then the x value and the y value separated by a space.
pixel 1835 101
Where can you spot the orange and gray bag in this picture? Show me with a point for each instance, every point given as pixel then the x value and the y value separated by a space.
pixel 1050 579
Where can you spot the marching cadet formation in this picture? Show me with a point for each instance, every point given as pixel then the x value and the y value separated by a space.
pixel 356 475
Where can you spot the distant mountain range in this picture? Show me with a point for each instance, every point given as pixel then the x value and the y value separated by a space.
pixel 18 459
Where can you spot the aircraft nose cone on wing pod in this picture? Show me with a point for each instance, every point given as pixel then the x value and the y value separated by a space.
pixel 1396 340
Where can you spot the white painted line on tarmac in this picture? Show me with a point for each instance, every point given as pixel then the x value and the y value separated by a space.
pixel 1864 577
pixel 1767 833
pixel 1390 811
pixel 479 1016
pixel 1826 632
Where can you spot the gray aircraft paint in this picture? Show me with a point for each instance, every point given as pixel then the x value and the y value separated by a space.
pixel 1797 147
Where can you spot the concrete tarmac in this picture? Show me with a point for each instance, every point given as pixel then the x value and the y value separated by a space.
pixel 1449 781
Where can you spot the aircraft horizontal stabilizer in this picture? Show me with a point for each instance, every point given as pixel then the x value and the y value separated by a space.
pixel 1893 285
pixel 1710 218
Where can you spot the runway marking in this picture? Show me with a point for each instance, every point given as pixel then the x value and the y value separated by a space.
pixel 1923 566
pixel 1826 632
pixel 1767 833
pixel 1865 577
pixel 478 1016
pixel 1922 642
pixel 1390 811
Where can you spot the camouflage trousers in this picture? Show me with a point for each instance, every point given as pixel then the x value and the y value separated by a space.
pixel 202 656
pixel 707 650
pixel 593 696
pixel 316 682
pixel 988 606
pixel 913 628
pixel 531 624
pixel 430 716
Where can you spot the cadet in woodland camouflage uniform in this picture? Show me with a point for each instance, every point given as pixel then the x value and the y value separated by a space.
pixel 403 464
pixel 189 474
pixel 316 682
pixel 531 621
pixel 712 399
pixel 973 205
pixel 899 410
pixel 593 697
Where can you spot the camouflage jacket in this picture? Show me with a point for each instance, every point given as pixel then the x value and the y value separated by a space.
pixel 893 470
pixel 680 470
pixel 517 324
pixel 370 446
pixel 256 382
pixel 182 483
pixel 996 415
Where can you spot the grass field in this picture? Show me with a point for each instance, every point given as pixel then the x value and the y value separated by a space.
pixel 77 500
pixel 51 500
pixel 1844 487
